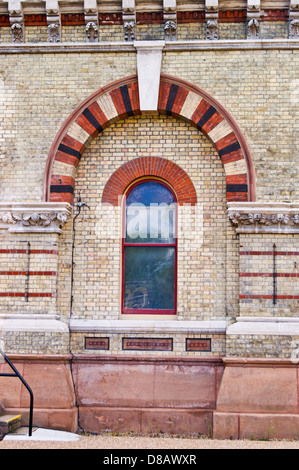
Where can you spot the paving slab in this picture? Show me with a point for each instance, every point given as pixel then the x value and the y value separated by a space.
pixel 41 434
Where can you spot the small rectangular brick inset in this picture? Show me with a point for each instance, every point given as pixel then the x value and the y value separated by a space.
pixel 147 344
pixel 97 343
pixel 198 344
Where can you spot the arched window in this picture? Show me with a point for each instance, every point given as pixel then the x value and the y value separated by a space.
pixel 149 249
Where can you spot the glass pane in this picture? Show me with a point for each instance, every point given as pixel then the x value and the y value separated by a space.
pixel 150 214
pixel 149 277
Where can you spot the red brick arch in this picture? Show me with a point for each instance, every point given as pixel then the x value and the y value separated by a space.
pixel 150 166
pixel 120 100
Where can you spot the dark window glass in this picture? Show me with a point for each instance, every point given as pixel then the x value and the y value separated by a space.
pixel 149 249
pixel 149 277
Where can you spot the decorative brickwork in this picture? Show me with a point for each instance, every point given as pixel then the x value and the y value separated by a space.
pixel 121 100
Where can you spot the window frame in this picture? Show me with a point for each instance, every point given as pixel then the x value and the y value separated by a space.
pixel 127 311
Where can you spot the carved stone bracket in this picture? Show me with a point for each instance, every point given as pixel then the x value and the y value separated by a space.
pixel 53 20
pixel 294 29
pixel 34 218
pixel 253 19
pixel 253 29
pixel 212 31
pixel 129 20
pixel 92 32
pixel 170 29
pixel 16 18
pixel 264 217
pixel 91 20
pixel 294 19
pixel 170 20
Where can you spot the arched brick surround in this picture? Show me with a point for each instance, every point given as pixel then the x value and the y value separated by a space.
pixel 121 100
pixel 150 166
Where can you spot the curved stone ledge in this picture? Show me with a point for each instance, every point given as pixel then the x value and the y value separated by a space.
pixel 259 217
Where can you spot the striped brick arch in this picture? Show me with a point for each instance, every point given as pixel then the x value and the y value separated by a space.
pixel 121 100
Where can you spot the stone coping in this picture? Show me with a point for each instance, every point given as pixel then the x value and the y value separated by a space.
pixel 171 46
pixel 34 323
pixel 264 326
pixel 284 326
pixel 148 326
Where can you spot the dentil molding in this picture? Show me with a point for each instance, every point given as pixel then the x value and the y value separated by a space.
pixel 45 217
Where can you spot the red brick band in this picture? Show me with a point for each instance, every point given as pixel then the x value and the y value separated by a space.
pixel 22 250
pixel 268 274
pixel 23 294
pixel 26 273
pixel 261 253
pixel 121 100
pixel 265 296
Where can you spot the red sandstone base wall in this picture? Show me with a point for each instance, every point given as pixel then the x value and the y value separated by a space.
pixel 50 380
pixel 258 399
pixel 220 398
pixel 146 394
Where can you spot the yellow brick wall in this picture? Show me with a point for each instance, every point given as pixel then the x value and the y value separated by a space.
pixel 39 91
pixel 258 88
pixel 200 263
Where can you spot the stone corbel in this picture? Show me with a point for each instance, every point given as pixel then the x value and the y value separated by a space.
pixel 91 20
pixel 170 20
pixel 212 13
pixel 129 20
pixel 253 19
pixel 256 217
pixel 53 20
pixel 294 19
pixel 16 18
pixel 44 217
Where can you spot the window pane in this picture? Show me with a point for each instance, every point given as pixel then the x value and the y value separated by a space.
pixel 149 277
pixel 150 214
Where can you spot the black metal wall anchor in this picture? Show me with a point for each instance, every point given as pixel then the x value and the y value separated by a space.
pixel 27 272
pixel 80 204
pixel 274 275
pixel 17 374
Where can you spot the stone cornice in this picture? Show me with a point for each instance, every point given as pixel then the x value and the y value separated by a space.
pixel 258 217
pixel 45 217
